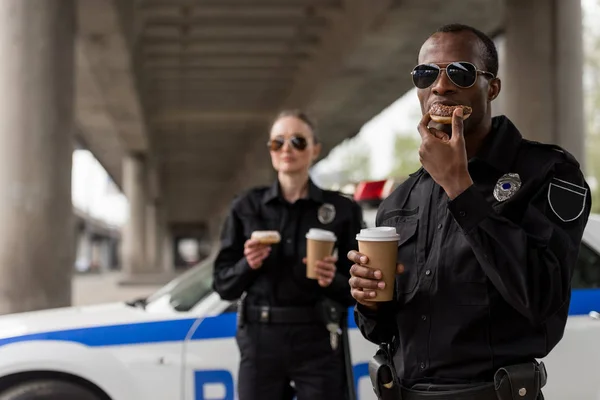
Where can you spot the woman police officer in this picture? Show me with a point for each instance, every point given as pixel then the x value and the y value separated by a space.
pixel 281 336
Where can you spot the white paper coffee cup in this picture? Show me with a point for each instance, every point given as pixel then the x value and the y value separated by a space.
pixel 319 244
pixel 378 234
pixel 380 245
pixel 321 235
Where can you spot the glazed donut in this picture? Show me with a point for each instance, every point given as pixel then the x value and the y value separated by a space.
pixel 266 237
pixel 442 113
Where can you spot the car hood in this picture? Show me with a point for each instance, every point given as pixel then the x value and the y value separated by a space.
pixel 71 319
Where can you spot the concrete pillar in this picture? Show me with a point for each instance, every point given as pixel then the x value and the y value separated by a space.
pixel 542 86
pixel 95 265
pixel 103 254
pixel 161 231
pixel 114 255
pixel 151 237
pixel 36 143
pixel 155 228
pixel 498 105
pixel 168 254
pixel 83 258
pixel 133 243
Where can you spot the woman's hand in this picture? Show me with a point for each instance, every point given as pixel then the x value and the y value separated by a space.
pixel 255 253
pixel 325 270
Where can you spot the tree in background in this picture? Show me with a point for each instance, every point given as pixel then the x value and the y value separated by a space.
pixel 356 164
pixel 406 155
pixel 349 162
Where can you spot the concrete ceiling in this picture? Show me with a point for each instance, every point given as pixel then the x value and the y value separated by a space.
pixel 210 74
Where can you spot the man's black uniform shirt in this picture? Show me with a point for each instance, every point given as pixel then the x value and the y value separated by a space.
pixel 281 280
pixel 487 276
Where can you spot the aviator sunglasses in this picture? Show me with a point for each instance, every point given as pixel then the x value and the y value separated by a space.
pixel 297 142
pixel 461 73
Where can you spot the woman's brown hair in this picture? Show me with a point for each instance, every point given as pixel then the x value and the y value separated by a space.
pixel 302 116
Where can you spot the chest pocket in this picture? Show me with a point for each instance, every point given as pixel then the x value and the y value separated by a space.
pixel 407 228
pixel 463 280
pixel 253 223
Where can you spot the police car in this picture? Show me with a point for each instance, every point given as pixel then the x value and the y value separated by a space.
pixel 178 344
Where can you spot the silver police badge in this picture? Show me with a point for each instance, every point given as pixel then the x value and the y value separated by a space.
pixel 326 213
pixel 507 186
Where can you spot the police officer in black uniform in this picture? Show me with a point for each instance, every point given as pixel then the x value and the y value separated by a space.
pixel 490 229
pixel 282 334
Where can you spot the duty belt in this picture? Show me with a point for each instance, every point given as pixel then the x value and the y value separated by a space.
pixel 452 392
pixel 281 315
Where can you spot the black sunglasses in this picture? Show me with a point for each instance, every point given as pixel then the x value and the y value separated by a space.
pixel 463 74
pixel 298 142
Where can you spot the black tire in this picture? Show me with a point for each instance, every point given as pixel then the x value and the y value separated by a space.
pixel 48 390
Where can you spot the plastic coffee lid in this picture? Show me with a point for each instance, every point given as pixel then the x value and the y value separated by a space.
pixel 321 234
pixel 378 234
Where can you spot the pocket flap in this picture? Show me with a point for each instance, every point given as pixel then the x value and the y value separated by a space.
pixel 406 230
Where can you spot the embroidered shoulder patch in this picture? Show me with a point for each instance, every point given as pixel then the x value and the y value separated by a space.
pixel 566 199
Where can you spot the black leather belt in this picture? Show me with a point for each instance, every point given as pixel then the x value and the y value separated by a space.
pixel 280 315
pixel 452 392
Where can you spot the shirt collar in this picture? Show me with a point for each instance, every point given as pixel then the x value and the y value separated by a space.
pixel 500 147
pixel 274 192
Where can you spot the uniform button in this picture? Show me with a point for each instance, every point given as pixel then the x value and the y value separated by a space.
pixel 424 317
pixel 422 365
pixel 462 213
pixel 288 241
pixel 428 272
pixel 440 226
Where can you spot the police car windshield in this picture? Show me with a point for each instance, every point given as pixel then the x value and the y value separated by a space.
pixel 184 292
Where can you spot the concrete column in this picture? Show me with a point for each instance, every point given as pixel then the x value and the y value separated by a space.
pixel 36 143
pixel 542 86
pixel 168 252
pixel 161 231
pixel 155 236
pixel 498 105
pixel 133 242
pixel 103 254
pixel 83 258
pixel 151 224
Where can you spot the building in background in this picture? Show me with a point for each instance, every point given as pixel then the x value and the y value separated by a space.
pixel 101 209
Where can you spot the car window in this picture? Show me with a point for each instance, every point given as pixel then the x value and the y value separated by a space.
pixel 187 290
pixel 190 292
pixel 587 269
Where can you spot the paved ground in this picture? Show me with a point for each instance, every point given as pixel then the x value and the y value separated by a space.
pixel 101 288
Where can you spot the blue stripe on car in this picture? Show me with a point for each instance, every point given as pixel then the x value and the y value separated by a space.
pixel 219 327
pixel 116 335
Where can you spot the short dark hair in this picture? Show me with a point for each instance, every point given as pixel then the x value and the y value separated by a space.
pixel 302 116
pixel 489 51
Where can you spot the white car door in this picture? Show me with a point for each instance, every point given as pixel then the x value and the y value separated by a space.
pixel 189 297
pixel 211 353
pixel 574 365
pixel 153 359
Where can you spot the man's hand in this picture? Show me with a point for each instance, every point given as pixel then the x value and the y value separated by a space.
pixel 325 270
pixel 365 280
pixel 255 253
pixel 445 158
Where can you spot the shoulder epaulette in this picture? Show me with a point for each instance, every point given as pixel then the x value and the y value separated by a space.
pixel 554 147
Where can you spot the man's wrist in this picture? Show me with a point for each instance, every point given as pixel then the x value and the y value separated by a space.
pixel 369 306
pixel 458 186
pixel 369 311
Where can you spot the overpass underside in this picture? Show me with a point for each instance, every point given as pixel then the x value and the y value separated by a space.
pixel 175 98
